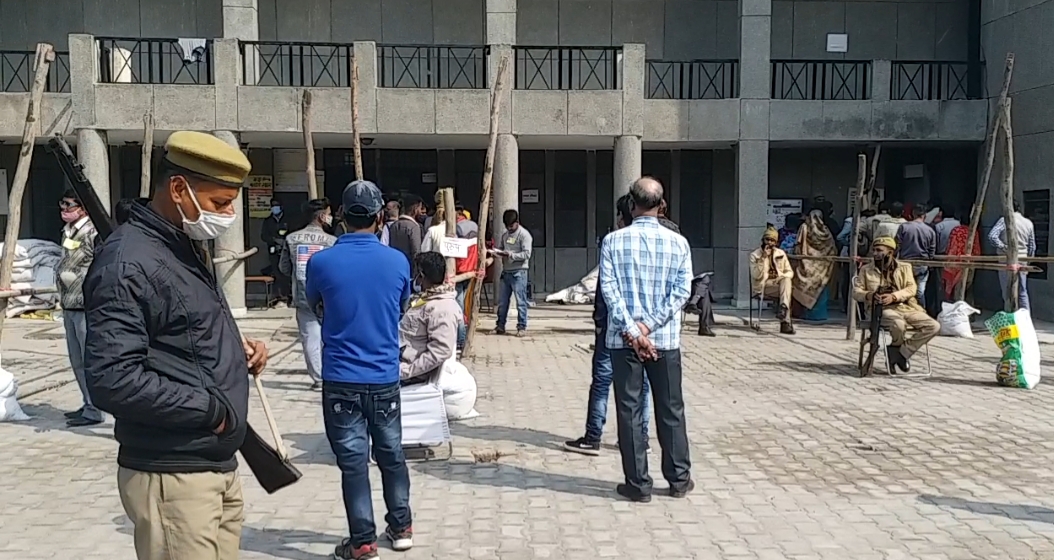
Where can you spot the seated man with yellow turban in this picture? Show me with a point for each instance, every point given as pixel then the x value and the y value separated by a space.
pixel 892 284
pixel 771 275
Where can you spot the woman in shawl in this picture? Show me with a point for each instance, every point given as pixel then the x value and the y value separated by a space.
pixel 811 275
pixel 957 246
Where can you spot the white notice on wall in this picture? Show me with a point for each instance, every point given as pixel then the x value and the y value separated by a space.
pixel 529 196
pixel 3 192
pixel 429 178
pixel 456 248
pixel 780 208
pixel 837 42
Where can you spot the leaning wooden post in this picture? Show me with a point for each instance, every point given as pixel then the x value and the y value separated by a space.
pixel 357 147
pixel 41 63
pixel 147 160
pixel 1013 284
pixel 986 174
pixel 496 95
pixel 450 222
pixel 854 247
pixel 874 175
pixel 309 144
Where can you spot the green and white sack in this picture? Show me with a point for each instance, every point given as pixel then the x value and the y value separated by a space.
pixel 1016 337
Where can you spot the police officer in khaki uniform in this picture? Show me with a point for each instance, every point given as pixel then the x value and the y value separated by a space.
pixel 165 357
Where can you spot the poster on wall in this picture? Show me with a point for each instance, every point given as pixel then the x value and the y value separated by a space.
pixel 260 192
pixel 780 208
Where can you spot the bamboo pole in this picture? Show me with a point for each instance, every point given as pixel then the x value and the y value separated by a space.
pixel 874 175
pixel 147 161
pixel 986 174
pixel 41 63
pixel 309 144
pixel 919 262
pixel 357 142
pixel 450 222
pixel 497 92
pixel 1007 191
pixel 854 247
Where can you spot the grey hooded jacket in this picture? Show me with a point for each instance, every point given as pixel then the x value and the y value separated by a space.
pixel 298 248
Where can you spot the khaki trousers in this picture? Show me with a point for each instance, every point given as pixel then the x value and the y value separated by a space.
pixel 900 322
pixel 780 290
pixel 192 516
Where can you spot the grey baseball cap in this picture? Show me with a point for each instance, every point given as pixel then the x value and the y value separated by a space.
pixel 362 198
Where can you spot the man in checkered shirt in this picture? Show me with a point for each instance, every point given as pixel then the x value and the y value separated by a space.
pixel 645 276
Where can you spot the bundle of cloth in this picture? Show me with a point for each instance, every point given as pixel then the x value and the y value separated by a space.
pixel 584 292
pixel 35 263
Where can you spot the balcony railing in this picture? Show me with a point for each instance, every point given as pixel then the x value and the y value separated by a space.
pixel 432 66
pixel 821 79
pixel 692 79
pixel 268 63
pixel 16 72
pixel 929 81
pixel 155 61
pixel 568 68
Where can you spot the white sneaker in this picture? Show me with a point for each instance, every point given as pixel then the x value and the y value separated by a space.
pixel 402 540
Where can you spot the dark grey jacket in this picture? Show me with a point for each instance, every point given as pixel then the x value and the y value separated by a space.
pixel 78 250
pixel 298 249
pixel 405 235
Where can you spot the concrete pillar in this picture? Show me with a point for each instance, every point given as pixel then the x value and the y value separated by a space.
pixel 752 190
pixel 627 164
pixel 501 22
pixel 506 179
pixel 241 20
pixel 94 154
pixel 231 275
pixel 881 79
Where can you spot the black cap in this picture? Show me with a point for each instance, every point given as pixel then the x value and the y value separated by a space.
pixel 362 199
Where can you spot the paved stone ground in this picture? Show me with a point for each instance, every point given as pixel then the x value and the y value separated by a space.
pixel 794 459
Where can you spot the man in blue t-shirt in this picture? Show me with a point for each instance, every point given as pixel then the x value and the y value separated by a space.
pixel 360 368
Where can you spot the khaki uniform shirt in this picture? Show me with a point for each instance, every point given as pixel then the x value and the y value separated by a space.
pixel 870 280
pixel 761 267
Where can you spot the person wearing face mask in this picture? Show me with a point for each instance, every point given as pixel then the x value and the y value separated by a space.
pixel 78 250
pixel 299 248
pixel 891 283
pixel 273 232
pixel 360 369
pixel 164 356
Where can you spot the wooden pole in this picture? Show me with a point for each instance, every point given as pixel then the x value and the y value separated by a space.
pixel 1007 191
pixel 148 154
pixel 497 92
pixel 874 176
pixel 357 147
pixel 854 247
pixel 309 144
pixel 41 63
pixel 450 221
pixel 986 174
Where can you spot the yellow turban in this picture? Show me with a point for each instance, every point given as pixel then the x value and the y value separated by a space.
pixel 770 233
pixel 885 242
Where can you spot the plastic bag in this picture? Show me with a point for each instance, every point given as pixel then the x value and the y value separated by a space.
pixel 9 409
pixel 1016 337
pixel 955 319
pixel 459 391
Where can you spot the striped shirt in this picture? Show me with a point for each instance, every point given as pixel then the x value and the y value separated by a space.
pixel 645 276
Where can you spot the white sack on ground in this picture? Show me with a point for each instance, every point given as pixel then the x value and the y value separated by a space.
pixel 955 319
pixel 459 390
pixel 9 409
pixel 1016 338
pixel 37 261
pixel 581 293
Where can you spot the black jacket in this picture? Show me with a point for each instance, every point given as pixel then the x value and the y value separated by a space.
pixel 163 353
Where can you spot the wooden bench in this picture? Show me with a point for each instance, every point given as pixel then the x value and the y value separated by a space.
pixel 268 282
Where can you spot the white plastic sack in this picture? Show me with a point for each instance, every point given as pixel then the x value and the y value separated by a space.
pixel 459 390
pixel 581 293
pixel 955 319
pixel 9 409
pixel 1016 337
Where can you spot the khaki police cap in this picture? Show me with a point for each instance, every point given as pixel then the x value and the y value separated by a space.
pixel 208 157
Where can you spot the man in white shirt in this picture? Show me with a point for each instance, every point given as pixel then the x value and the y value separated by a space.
pixel 1025 235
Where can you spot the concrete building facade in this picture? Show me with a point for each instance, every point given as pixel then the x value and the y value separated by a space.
pixel 729 103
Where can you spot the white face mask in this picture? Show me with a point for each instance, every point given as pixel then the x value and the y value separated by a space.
pixel 209 225
pixel 327 219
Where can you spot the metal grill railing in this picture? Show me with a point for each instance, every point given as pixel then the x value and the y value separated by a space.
pixel 16 72
pixel 568 68
pixel 432 66
pixel 692 79
pixel 271 63
pixel 155 61
pixel 929 81
pixel 821 79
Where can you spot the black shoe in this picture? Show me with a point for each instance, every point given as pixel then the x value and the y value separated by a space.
pixel 896 360
pixel 786 328
pixel 583 446
pixel 781 313
pixel 345 551
pixel 632 495
pixel 316 386
pixel 74 413
pixel 499 330
pixel 706 331
pixel 683 491
pixel 80 422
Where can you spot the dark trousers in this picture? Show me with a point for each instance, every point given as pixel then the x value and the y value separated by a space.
pixel 354 415
pixel 664 377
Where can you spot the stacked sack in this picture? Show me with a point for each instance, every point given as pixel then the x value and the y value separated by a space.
pixel 36 261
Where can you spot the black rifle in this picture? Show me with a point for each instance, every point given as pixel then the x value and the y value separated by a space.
pixel 273 471
pixel 870 338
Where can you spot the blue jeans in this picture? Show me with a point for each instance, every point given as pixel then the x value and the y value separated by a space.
pixel 596 415
pixel 513 282
pixel 1022 289
pixel 462 329
pixel 354 414
pixel 920 283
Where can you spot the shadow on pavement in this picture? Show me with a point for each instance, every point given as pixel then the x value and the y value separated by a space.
pixel 1013 511
pixel 526 436
pixel 846 370
pixel 314 447
pixel 45 418
pixel 500 475
pixel 280 543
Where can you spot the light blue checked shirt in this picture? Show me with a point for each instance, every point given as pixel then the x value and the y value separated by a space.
pixel 645 276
